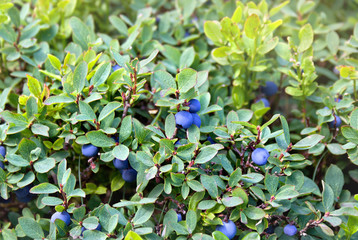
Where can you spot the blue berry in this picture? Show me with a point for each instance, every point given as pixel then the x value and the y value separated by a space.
pixel 116 67
pixel 335 123
pixel 23 192
pixel 259 156
pixel 2 151
pixel 26 198
pixel 211 140
pixel 194 106
pixel 187 34
pixel 269 89
pixel 120 164
pixel 196 119
pixel 89 150
pixel 184 119
pixel 63 216
pixel 2 165
pixel 228 228
pixel 290 230
pixel 270 229
pixel 265 101
pixel 180 217
pixel 129 175
pixel 337 100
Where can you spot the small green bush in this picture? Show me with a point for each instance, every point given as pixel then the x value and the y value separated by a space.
pixel 100 137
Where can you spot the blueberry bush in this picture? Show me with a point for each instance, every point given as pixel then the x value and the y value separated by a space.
pixel 158 119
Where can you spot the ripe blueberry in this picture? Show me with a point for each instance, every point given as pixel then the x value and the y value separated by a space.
pixel 290 230
pixel 116 67
pixel 23 192
pixel 269 89
pixel 228 228
pixel 270 229
pixel 2 151
pixel 335 123
pixel 265 101
pixel 2 165
pixel 89 150
pixel 180 217
pixel 194 106
pixel 120 164
pixel 4 200
pixel 63 216
pixel 196 119
pixel 184 119
pixel 26 198
pixel 259 156
pixel 129 175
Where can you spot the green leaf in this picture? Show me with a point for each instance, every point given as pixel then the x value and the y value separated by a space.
pixel 121 152
pixel 90 223
pixel 132 236
pixel 335 179
pixel 205 155
pixel 99 139
pixel 40 129
pixel 117 183
pixel 327 197
pixel 232 201
pixel 31 228
pixel 126 128
pixel 206 204
pixel 101 74
pixel 51 201
pixel 191 220
pixel 94 235
pixel 351 134
pixel 170 126
pixel 254 213
pixel 108 109
pixel 58 99
pixel 119 24
pixel 143 214
pixel 186 79
pixel 235 177
pixel 187 58
pixel 271 183
pixel 44 165
pixel 34 86
pixel 80 32
pixel 16 160
pixel 79 76
pixel 209 184
pixel 306 38
pixel 44 188
pixel 252 236
pixel 236 17
pixel 165 79
pixel 286 192
pixel 212 30
pixel 332 40
pixel 251 26
pixel 55 62
pixel 308 142
pixel 353 119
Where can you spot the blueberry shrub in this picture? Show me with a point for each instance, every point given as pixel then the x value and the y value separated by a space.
pixel 159 119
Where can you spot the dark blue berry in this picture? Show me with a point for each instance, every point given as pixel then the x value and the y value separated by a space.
pixel 180 217
pixel 229 229
pixel 63 216
pixel 335 123
pixel 116 67
pixel 89 150
pixel 184 119
pixel 129 175
pixel 196 119
pixel 2 151
pixel 194 106
pixel 120 164
pixel 269 89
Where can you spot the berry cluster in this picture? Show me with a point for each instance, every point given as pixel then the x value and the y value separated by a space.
pixel 185 119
